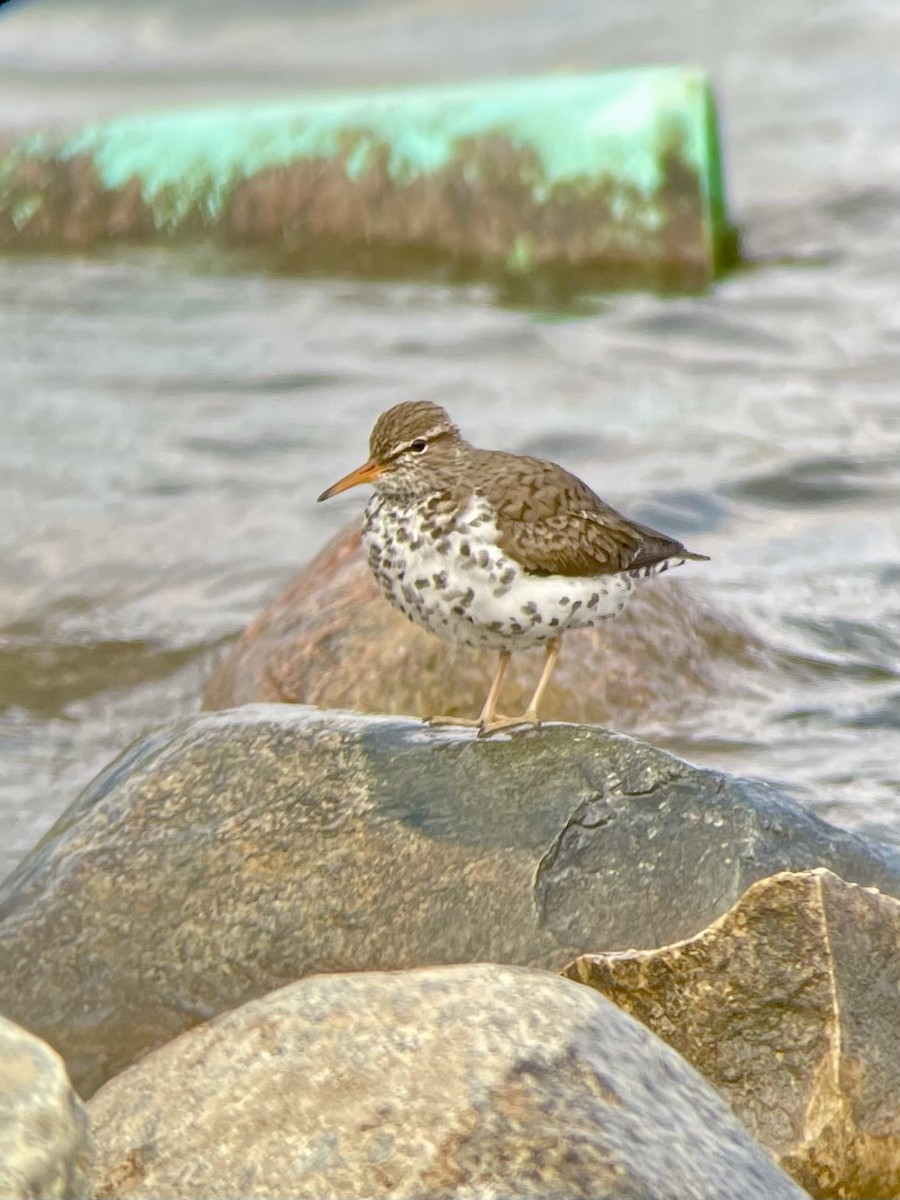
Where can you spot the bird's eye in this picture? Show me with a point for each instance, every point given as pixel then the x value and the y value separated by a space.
pixel 418 445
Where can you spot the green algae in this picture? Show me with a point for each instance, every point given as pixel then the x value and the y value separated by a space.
pixel 616 172
pixel 614 125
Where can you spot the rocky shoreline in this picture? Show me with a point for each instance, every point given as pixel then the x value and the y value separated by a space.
pixel 208 934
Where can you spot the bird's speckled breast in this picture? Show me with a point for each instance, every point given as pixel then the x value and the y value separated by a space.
pixel 447 573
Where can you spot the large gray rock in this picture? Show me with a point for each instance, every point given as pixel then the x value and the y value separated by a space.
pixel 473 1081
pixel 45 1142
pixel 239 851
pixel 790 1005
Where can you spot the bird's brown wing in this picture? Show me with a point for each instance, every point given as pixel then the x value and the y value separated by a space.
pixel 553 524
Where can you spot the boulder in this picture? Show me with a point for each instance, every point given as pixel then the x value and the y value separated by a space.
pixel 790 1006
pixel 239 851
pixel 332 639
pixel 449 1082
pixel 45 1142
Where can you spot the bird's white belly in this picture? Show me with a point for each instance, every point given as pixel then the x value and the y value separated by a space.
pixel 453 579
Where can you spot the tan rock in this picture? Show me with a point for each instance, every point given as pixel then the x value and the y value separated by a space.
pixel 789 1005
pixel 332 639
pixel 45 1142
pixel 461 1081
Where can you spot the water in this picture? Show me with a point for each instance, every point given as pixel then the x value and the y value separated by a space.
pixel 167 419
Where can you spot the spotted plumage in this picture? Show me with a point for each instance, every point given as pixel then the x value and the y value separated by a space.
pixel 485 597
pixel 486 548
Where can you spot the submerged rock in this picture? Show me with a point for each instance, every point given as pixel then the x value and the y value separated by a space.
pixel 449 1082
pixel 239 851
pixel 609 177
pixel 332 639
pixel 790 1006
pixel 45 1142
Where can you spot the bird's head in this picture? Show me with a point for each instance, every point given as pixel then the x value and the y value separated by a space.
pixel 411 452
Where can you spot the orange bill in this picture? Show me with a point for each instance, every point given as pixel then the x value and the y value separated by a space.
pixel 367 473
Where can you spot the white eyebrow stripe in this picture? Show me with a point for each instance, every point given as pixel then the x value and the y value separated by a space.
pixel 429 433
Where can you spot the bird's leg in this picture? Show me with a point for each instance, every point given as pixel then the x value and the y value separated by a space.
pixel 554 646
pixel 487 713
pixel 530 715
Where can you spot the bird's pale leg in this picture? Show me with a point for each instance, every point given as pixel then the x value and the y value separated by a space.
pixel 530 715
pixel 487 713
pixel 554 647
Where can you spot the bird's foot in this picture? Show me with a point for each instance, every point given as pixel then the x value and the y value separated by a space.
pixel 464 722
pixel 498 722
pixel 487 727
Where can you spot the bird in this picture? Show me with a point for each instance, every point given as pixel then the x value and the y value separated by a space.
pixel 493 549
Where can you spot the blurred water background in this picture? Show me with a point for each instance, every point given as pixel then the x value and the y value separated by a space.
pixel 168 418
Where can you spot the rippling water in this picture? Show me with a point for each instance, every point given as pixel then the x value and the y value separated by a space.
pixel 167 419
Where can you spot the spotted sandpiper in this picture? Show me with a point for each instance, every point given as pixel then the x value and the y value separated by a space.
pixel 485 548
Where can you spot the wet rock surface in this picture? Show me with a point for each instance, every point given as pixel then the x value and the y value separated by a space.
pixel 332 639
pixel 456 1081
pixel 45 1143
pixel 237 852
pixel 790 1006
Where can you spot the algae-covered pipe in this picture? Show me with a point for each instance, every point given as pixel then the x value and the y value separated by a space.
pixel 616 174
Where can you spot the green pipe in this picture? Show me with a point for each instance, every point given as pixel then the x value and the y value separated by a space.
pixel 617 172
